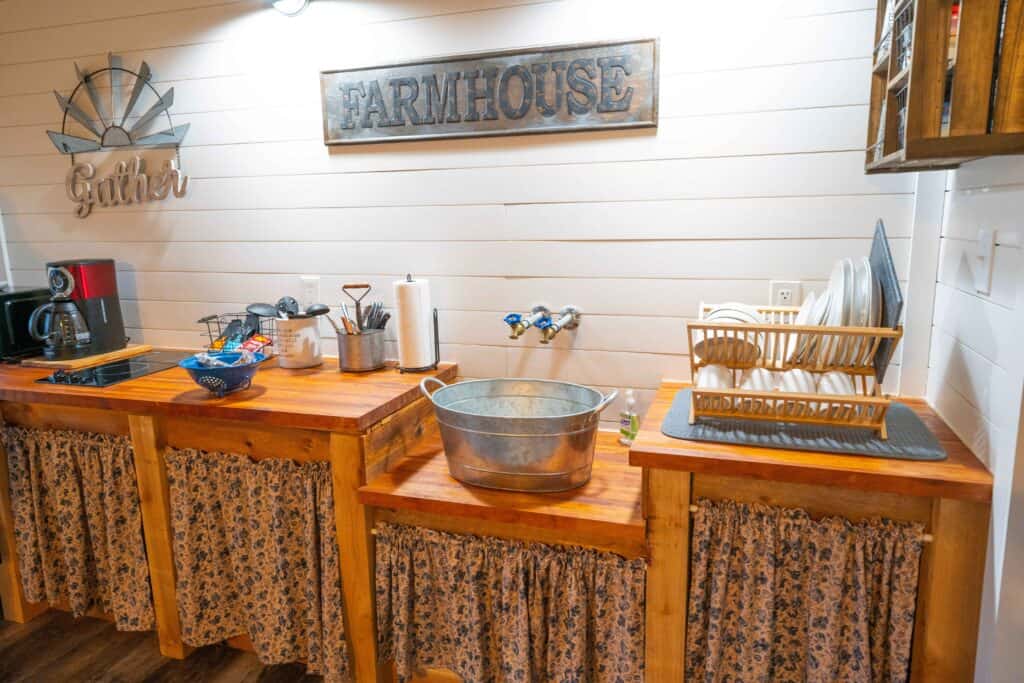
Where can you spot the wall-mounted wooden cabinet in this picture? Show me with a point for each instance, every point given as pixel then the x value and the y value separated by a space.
pixel 947 83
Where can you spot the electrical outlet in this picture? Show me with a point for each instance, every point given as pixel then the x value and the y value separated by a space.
pixel 309 290
pixel 785 292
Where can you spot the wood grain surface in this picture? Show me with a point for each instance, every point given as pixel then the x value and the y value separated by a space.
pixel 317 398
pixel 58 647
pixel 356 551
pixel 607 507
pixel 960 476
pixel 88 361
pixel 949 594
pixel 666 508
pixel 149 443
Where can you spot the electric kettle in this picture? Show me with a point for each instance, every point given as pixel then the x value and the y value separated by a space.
pixel 61 326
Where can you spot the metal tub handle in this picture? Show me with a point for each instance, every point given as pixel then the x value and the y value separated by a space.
pixel 423 386
pixel 604 401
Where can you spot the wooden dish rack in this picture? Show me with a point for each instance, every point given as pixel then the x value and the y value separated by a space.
pixel 778 344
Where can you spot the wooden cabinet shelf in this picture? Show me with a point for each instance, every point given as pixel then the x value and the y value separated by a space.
pixel 947 84
pixel 899 80
pixel 604 513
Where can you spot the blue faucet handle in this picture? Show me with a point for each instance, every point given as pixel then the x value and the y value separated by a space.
pixel 543 323
pixel 513 318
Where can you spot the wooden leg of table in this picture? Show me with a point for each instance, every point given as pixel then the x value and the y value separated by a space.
pixel 355 543
pixel 155 501
pixel 12 596
pixel 667 506
pixel 949 592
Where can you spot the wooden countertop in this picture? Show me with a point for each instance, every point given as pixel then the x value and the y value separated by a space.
pixel 316 398
pixel 608 505
pixel 960 476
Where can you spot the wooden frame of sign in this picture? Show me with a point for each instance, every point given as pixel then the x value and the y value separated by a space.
pixel 557 89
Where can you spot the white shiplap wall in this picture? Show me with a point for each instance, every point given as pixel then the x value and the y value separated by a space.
pixel 754 173
pixel 976 367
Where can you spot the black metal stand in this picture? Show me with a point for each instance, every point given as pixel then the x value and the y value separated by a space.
pixel 437 352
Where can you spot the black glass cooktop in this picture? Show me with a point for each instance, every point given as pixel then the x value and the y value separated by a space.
pixel 118 371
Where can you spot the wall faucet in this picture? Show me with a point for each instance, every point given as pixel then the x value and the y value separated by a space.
pixel 520 323
pixel 568 319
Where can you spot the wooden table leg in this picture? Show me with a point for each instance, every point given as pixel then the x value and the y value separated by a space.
pixel 355 545
pixel 12 595
pixel 949 592
pixel 155 501
pixel 667 508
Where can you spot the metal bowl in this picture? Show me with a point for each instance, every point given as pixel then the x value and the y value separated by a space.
pixel 518 434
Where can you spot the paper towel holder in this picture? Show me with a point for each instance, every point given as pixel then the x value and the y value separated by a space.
pixel 437 351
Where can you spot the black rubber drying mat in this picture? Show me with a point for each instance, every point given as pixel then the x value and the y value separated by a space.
pixel 909 438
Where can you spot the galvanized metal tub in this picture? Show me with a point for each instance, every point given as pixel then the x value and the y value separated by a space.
pixel 518 434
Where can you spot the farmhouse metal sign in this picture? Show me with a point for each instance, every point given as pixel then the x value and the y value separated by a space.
pixel 538 90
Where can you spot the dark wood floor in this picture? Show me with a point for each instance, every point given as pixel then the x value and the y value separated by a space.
pixel 56 647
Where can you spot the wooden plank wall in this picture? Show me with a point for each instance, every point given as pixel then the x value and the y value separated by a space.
pixel 755 172
pixel 976 369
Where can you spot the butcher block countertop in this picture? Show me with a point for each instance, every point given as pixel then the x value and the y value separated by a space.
pixel 606 506
pixel 960 476
pixel 316 398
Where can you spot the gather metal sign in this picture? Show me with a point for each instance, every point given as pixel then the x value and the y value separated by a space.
pixel 538 90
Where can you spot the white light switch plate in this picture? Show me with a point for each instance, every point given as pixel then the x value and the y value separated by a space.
pixel 983 262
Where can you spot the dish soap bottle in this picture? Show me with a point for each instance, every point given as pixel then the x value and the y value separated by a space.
pixel 629 425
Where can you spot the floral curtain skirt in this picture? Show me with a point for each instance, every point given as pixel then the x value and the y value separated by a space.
pixel 498 610
pixel 777 596
pixel 78 526
pixel 256 552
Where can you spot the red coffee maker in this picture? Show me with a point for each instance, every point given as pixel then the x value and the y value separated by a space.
pixel 83 316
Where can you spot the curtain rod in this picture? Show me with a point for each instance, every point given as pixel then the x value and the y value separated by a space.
pixel 925 538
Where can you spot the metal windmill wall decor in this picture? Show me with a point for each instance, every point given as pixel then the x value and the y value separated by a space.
pixel 116 129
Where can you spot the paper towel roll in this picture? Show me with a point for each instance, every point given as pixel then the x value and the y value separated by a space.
pixel 415 324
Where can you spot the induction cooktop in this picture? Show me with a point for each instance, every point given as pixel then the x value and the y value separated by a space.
pixel 118 371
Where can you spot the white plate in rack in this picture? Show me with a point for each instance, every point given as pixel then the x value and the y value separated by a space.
pixel 730 343
pixel 837 295
pixel 862 306
pixel 819 316
pixel 849 291
pixel 808 315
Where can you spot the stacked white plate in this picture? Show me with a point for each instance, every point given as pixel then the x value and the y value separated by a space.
pixel 853 299
pixel 729 344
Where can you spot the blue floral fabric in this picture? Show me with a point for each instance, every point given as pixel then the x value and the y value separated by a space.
pixel 777 596
pixel 256 552
pixel 490 609
pixel 78 524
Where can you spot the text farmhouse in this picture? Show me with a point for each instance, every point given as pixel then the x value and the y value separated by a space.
pixel 557 89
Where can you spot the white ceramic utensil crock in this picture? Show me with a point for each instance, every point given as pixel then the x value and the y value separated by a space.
pixel 298 343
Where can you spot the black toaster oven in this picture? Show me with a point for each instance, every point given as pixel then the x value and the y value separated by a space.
pixel 16 305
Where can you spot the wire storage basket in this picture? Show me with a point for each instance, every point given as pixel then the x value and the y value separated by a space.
pixel 779 344
pixel 903 36
pixel 236 326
